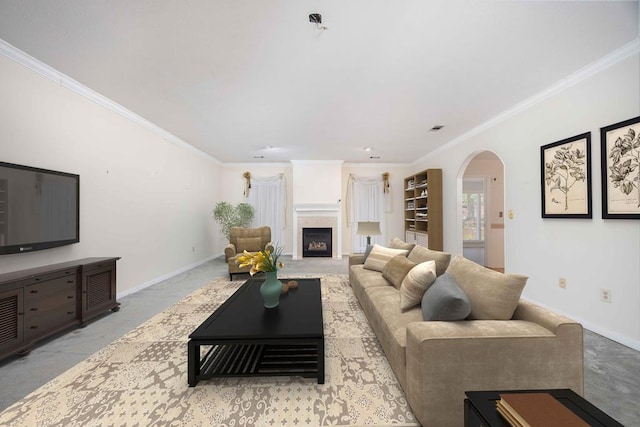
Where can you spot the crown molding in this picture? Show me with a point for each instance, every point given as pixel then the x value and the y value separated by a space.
pixel 630 49
pixel 13 53
pixel 257 165
pixel 355 165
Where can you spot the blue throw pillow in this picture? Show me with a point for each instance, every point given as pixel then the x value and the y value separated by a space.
pixel 445 300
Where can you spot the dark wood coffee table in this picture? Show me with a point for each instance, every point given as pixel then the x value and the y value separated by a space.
pixel 246 339
pixel 480 408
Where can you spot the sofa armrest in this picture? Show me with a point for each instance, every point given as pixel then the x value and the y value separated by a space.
pixel 355 259
pixel 486 355
pixel 229 251
pixel 546 318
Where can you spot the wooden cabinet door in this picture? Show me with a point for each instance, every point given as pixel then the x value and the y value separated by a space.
pixel 11 320
pixel 98 289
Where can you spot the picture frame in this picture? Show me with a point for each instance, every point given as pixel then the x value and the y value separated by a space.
pixel 620 168
pixel 566 177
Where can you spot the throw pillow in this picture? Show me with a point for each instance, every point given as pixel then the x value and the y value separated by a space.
pixel 444 300
pixel 493 295
pixel 415 284
pixel 379 257
pixel 421 254
pixel 396 270
pixel 249 244
pixel 399 244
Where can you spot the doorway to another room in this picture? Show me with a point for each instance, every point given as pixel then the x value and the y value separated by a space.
pixel 483 211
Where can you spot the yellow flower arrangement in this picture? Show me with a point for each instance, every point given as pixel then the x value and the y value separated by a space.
pixel 266 260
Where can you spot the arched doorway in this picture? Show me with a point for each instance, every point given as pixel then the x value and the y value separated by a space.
pixel 482 215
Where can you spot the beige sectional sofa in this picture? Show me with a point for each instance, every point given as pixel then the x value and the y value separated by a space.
pixel 437 361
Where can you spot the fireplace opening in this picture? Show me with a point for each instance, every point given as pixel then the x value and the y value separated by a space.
pixel 316 242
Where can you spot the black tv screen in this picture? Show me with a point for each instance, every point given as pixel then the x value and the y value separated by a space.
pixel 39 208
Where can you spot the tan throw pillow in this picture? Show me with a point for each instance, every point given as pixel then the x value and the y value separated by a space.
pixel 493 295
pixel 421 254
pixel 396 270
pixel 416 283
pixel 399 244
pixel 249 244
pixel 380 255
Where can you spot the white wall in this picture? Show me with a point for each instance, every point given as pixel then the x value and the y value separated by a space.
pixel 590 254
pixel 316 181
pixel 142 197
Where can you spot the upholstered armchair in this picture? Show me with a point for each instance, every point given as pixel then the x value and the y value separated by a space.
pixel 245 239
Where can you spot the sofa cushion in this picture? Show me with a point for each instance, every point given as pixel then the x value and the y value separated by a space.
pixel 396 270
pixel 380 255
pixel 416 283
pixel 390 326
pixel 421 254
pixel 249 244
pixel 493 295
pixel 400 244
pixel 445 300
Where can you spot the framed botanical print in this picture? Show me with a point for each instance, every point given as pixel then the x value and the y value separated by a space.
pixel 566 177
pixel 620 163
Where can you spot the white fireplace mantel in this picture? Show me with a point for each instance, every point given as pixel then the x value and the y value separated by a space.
pixel 320 215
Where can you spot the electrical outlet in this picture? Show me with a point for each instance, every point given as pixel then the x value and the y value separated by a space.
pixel 562 282
pixel 605 295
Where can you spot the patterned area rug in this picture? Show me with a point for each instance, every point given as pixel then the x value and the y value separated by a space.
pixel 141 379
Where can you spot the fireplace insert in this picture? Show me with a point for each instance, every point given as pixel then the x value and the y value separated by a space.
pixel 316 242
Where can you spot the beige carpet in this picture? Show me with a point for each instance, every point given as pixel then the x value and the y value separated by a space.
pixel 141 379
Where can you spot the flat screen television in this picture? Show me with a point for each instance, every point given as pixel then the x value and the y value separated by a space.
pixel 39 209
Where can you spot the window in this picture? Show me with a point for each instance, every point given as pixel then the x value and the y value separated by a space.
pixel 268 196
pixel 366 203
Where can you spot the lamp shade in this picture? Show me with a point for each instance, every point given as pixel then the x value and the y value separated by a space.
pixel 368 228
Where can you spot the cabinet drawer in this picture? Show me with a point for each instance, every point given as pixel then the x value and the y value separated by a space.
pixel 47 302
pixel 51 287
pixel 39 322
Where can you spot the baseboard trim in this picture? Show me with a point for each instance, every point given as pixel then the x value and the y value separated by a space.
pixel 614 336
pixel 163 277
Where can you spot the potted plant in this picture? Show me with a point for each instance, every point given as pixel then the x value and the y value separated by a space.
pixel 229 216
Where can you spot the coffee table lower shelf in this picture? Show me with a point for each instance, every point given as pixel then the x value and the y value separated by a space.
pixel 256 359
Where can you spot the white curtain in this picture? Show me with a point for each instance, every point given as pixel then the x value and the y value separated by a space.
pixel 268 196
pixel 365 202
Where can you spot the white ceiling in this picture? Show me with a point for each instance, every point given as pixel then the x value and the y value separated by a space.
pixel 230 77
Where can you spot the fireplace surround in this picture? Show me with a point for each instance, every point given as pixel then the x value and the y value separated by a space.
pixel 327 215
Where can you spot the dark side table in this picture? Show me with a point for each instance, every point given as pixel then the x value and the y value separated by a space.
pixel 480 408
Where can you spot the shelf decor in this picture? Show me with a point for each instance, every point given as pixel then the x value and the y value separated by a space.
pixel 620 167
pixel 566 178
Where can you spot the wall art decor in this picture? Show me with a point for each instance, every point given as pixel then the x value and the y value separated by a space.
pixel 620 160
pixel 566 177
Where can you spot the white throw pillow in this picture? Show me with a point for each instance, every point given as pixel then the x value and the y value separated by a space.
pixel 416 283
pixel 380 256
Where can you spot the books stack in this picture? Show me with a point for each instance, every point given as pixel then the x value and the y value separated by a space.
pixel 536 410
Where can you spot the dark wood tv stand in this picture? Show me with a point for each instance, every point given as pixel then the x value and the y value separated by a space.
pixel 40 302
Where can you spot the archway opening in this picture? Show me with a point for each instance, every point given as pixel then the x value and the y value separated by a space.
pixel 482 210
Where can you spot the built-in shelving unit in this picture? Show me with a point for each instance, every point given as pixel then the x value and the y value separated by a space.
pixel 423 208
pixel 4 215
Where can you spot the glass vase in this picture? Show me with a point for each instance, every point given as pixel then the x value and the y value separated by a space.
pixel 271 289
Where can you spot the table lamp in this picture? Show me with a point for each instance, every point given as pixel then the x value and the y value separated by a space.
pixel 368 228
